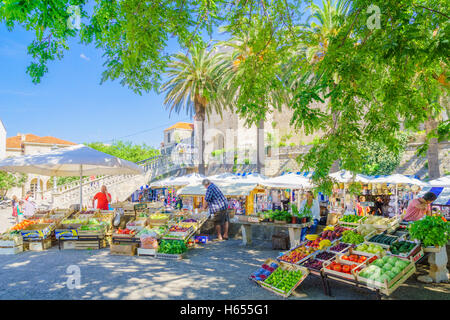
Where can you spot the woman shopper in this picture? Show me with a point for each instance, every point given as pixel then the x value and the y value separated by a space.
pixel 419 207
pixel 312 205
pixel 14 204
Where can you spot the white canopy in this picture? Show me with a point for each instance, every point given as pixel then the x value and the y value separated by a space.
pixel 344 176
pixel 398 179
pixel 193 178
pixel 248 178
pixel 222 177
pixel 77 160
pixel 440 182
pixel 228 189
pixel 68 162
pixel 287 181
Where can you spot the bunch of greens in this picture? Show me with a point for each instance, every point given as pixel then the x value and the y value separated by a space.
pixel 294 210
pixel 172 247
pixel 352 237
pixel 305 213
pixel 281 215
pixel 431 231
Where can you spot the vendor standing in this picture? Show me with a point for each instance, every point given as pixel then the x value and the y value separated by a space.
pixel 419 207
pixel 276 200
pixel 312 205
pixel 379 207
pixel 218 205
pixel 103 199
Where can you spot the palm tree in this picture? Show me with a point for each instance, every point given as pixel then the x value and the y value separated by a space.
pixel 328 21
pixel 327 24
pixel 237 50
pixel 193 85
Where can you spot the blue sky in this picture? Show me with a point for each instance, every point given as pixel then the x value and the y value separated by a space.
pixel 70 103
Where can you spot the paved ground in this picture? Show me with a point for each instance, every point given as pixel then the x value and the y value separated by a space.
pixel 215 271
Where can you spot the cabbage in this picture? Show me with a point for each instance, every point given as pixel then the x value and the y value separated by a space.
pixel 392 260
pixel 391 275
pixel 383 277
pixel 389 266
pixel 396 270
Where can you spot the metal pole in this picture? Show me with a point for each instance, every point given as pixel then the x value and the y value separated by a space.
pixel 396 199
pixel 81 186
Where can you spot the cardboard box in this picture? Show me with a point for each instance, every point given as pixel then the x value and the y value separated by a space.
pixel 333 218
pixel 123 249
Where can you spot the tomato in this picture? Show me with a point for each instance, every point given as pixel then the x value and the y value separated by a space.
pixel 337 268
pixel 346 269
pixel 362 258
pixel 354 266
pixel 344 257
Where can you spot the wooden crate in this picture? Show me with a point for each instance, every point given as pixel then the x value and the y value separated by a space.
pixel 146 252
pixel 91 233
pixel 90 245
pixel 68 245
pixel 123 249
pixel 385 246
pixel 411 253
pixel 18 241
pixel 40 245
pixel 350 276
pixel 432 249
pixel 389 286
pixel 170 256
pixel 11 250
pixel 286 266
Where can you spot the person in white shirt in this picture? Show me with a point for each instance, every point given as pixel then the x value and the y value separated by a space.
pixel 29 206
pixel 313 205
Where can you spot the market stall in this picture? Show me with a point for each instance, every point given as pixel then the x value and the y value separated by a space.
pixel 369 254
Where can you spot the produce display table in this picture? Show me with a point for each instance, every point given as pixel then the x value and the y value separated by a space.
pixel 294 230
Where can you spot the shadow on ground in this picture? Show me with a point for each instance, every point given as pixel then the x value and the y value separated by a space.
pixel 215 271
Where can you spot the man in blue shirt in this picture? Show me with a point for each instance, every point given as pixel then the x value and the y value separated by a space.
pixel 218 206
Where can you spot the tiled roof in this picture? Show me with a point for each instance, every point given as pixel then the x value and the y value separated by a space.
pixel 181 125
pixel 16 141
pixel 51 140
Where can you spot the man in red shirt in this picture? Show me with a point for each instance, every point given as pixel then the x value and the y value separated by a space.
pixel 103 198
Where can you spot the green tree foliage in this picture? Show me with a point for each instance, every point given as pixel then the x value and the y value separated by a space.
pixel 365 82
pixel 124 150
pixel 10 180
pixel 379 161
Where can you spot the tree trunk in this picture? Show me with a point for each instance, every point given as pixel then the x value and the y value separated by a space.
pixel 260 157
pixel 200 119
pixel 433 151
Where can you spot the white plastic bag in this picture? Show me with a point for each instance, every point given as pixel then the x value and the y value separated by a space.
pixel 118 214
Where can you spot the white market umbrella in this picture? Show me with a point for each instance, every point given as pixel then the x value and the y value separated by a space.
pixel 78 160
pixel 248 178
pixel 288 181
pixel 179 181
pixel 440 182
pixel 222 177
pixel 398 179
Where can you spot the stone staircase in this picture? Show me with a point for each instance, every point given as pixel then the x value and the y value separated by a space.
pixel 120 187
